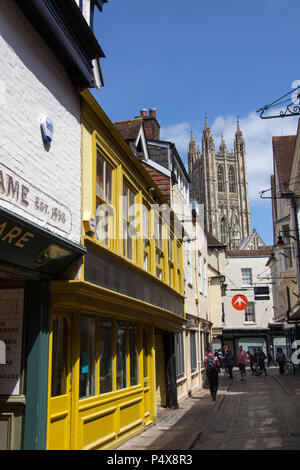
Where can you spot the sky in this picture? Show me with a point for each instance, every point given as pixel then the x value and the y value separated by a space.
pixel 187 58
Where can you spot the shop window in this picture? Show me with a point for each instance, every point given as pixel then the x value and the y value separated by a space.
pixel 145 353
pixel 133 351
pixel 106 356
pixel 129 230
pixel 104 207
pixel 59 356
pixel 87 356
pixel 179 355
pixel 121 355
pixel 193 351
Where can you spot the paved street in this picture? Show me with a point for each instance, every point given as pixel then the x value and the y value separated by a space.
pixel 259 414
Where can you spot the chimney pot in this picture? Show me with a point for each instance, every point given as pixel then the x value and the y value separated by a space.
pixel 144 112
pixel 152 112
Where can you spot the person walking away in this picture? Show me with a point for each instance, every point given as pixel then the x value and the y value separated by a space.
pixel 242 361
pixel 262 358
pixel 224 359
pixel 270 356
pixel 219 357
pixel 211 364
pixel 256 361
pixel 251 360
pixel 281 360
pixel 229 362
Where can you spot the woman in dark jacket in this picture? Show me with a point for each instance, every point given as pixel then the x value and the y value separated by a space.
pixel 281 360
pixel 229 362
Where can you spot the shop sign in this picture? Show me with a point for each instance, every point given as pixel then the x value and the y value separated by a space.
pixel 239 302
pixel 22 194
pixel 261 293
pixel 26 245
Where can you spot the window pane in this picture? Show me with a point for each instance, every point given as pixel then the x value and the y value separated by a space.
pixel 59 357
pixel 87 357
pixel 121 356
pixel 100 176
pixel 125 201
pixel 145 353
pixel 246 277
pixel 106 356
pixel 133 355
pixel 103 215
pixel 108 183
pixel 193 351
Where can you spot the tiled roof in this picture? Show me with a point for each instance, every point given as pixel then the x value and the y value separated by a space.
pixel 129 129
pixel 283 152
pixel 161 180
pixel 212 241
pixel 261 251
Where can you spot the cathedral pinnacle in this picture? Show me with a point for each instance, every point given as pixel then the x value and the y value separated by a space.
pixel 206 123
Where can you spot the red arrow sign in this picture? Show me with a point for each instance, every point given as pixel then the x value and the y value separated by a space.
pixel 239 302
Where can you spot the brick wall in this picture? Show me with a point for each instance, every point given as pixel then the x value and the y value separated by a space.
pixel 35 84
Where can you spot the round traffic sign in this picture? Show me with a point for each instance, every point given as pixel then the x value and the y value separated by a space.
pixel 239 302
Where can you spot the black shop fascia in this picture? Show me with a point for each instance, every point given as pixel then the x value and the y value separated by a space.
pixel 31 251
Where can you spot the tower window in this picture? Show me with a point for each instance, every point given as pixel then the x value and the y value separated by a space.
pixel 231 179
pixel 221 185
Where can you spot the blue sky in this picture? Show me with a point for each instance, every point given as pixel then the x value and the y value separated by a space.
pixel 185 58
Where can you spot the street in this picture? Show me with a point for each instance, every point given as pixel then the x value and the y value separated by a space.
pixel 262 413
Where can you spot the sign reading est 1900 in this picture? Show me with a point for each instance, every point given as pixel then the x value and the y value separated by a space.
pixel 20 193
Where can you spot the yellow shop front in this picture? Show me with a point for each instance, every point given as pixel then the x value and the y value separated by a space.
pixel 101 370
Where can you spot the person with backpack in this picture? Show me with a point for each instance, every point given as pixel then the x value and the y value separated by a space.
pixel 212 364
pixel 242 361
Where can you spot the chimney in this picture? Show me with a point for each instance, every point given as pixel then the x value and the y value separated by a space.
pixel 152 113
pixel 152 128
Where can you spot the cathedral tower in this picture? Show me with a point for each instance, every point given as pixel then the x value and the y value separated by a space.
pixel 219 181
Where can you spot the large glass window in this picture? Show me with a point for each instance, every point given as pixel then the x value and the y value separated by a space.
pixel 59 356
pixel 193 351
pixel 87 356
pixel 106 356
pixel 179 355
pixel 133 351
pixel 231 179
pixel 121 356
pixel 129 230
pixel 246 277
pixel 104 208
pixel 220 175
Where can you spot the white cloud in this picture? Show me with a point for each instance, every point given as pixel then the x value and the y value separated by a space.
pixel 258 135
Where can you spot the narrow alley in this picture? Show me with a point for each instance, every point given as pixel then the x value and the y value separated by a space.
pixel 262 413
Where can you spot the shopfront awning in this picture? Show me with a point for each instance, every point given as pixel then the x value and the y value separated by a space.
pixel 24 246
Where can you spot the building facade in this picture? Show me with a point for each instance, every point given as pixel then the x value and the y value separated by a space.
pixel 47 51
pixel 127 300
pixel 248 327
pixel 220 182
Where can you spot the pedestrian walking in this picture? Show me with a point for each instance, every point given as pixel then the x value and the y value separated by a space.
pixel 224 360
pixel 242 361
pixel 261 361
pixel 270 355
pixel 281 360
pixel 229 359
pixel 211 364
pixel 251 361
pixel 256 361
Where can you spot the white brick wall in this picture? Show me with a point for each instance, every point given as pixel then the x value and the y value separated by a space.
pixel 35 84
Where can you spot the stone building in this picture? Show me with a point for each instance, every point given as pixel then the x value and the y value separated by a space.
pixel 219 181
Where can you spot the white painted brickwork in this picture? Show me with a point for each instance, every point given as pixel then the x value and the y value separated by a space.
pixel 35 84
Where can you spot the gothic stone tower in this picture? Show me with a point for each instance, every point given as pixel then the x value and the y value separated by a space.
pixel 219 181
